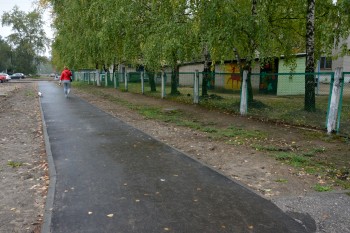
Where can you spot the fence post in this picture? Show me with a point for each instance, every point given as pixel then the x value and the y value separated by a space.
pixel 196 88
pixel 341 99
pixel 106 79
pixel 114 81
pixel 163 85
pixel 126 81
pixel 142 82
pixel 244 94
pixel 334 103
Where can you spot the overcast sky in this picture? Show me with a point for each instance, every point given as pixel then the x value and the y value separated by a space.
pixel 24 5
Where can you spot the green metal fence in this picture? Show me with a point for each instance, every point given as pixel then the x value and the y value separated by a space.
pixel 275 96
pixel 281 97
pixel 344 122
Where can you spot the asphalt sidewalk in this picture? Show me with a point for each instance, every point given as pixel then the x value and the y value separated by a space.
pixel 106 176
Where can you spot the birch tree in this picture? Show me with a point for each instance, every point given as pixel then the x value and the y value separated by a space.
pixel 310 104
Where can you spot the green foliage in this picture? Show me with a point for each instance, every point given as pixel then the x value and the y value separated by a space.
pixel 5 55
pixel 169 32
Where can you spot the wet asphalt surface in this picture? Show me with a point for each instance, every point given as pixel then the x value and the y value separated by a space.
pixel 109 177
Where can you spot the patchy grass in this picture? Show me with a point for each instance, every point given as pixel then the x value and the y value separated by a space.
pixel 14 164
pixel 314 151
pixel 292 159
pixel 281 181
pixel 269 148
pixel 322 188
pixel 30 93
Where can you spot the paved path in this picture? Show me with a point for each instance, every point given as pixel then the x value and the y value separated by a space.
pixel 110 177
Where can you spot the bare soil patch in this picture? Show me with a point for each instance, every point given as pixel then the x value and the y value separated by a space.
pixel 23 168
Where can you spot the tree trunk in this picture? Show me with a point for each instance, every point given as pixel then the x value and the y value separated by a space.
pixel 174 77
pixel 98 75
pixel 206 71
pixel 152 81
pixel 248 67
pixel 310 102
pixel 175 80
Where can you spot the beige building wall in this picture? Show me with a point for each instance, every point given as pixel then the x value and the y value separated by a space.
pixel 186 77
pixel 344 61
pixel 220 70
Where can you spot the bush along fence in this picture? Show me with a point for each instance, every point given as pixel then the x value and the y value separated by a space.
pixel 277 97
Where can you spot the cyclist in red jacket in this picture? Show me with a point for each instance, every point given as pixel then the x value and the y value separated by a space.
pixel 66 79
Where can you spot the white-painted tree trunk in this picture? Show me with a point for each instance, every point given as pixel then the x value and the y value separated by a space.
pixel 334 104
pixel 244 94
pixel 126 81
pixel 196 88
pixel 98 78
pixel 143 82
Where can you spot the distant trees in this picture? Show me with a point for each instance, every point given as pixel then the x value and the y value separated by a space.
pixel 5 55
pixel 27 42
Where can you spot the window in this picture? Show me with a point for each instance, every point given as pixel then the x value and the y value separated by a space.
pixel 325 63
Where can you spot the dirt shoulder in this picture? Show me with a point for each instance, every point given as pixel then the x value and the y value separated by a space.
pixel 23 167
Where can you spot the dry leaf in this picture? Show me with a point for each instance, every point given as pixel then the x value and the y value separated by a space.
pixel 110 215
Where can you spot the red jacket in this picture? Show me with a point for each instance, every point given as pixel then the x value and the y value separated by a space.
pixel 65 75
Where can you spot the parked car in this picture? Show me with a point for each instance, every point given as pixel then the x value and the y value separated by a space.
pixel 54 75
pixel 2 78
pixel 18 76
pixel 8 78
